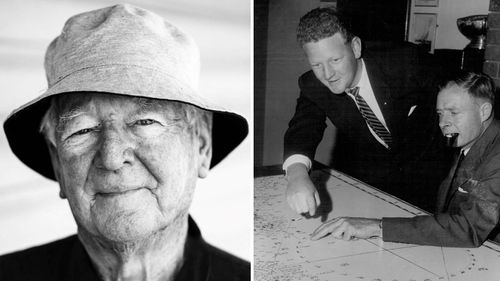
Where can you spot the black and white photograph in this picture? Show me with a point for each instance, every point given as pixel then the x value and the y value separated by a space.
pixel 376 143
pixel 126 145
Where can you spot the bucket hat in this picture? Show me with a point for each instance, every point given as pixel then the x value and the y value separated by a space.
pixel 123 50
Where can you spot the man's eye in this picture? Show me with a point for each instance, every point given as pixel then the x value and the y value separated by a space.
pixel 83 132
pixel 145 122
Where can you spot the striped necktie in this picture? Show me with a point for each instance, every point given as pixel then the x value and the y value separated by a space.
pixel 370 117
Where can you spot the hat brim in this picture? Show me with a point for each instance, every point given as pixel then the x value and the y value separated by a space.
pixel 28 144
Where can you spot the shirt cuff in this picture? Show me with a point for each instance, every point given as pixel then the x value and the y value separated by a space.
pixel 297 158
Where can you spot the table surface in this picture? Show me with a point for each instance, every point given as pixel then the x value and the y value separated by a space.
pixel 283 250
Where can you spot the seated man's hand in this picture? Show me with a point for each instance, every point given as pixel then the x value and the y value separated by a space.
pixel 347 228
pixel 301 194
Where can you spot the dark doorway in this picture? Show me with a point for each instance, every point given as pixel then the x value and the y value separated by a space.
pixel 380 20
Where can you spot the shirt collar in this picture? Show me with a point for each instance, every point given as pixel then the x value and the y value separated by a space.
pixel 196 261
pixel 363 82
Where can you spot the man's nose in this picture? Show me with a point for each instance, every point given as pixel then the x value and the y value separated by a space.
pixel 444 120
pixel 115 150
pixel 329 71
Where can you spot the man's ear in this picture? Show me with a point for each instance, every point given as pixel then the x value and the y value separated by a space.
pixel 486 111
pixel 55 166
pixel 356 46
pixel 204 152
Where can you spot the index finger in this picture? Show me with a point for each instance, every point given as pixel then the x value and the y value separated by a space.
pixel 325 228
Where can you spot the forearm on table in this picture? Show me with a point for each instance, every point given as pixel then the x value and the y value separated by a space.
pixel 440 230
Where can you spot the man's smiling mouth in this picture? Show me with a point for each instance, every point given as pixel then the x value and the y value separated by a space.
pixel 119 192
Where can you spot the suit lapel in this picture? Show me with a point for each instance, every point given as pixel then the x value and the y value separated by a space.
pixel 445 186
pixel 461 173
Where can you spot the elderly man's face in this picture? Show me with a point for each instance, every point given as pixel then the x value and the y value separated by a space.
pixel 128 168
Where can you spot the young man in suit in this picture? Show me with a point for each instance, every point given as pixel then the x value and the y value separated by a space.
pixel 381 102
pixel 468 202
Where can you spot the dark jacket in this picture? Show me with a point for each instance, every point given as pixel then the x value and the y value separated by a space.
pixel 67 260
pixel 467 210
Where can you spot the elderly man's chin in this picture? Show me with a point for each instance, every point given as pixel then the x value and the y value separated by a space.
pixel 126 217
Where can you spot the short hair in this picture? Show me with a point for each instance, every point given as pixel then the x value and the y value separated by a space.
pixel 322 23
pixel 478 85
pixel 196 119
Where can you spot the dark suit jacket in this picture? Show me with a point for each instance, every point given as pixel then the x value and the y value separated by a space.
pixel 400 79
pixel 67 260
pixel 465 216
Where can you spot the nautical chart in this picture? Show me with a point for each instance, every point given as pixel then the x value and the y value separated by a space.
pixel 283 250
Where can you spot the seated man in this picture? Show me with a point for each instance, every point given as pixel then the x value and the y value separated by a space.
pixel 468 203
pixel 125 132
